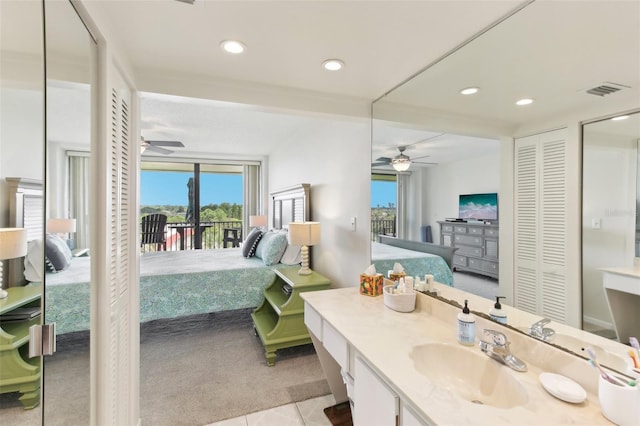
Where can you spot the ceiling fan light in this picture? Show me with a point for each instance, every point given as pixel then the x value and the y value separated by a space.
pixel 401 163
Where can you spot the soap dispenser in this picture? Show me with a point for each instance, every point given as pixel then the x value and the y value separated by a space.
pixel 496 313
pixel 466 326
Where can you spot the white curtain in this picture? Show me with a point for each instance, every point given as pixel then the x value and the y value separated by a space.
pixel 79 197
pixel 250 194
pixel 401 209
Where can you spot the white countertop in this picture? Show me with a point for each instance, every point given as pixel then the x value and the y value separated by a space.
pixel 631 271
pixel 385 339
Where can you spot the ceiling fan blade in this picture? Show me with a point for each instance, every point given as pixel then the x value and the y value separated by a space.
pixel 385 159
pixel 417 158
pixel 421 162
pixel 159 150
pixel 380 163
pixel 174 144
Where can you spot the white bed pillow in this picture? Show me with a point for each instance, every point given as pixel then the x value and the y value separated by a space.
pixel 271 247
pixel 292 255
pixel 33 265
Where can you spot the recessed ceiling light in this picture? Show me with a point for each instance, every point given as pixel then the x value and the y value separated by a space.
pixel 232 46
pixel 620 117
pixel 333 65
pixel 525 101
pixel 469 91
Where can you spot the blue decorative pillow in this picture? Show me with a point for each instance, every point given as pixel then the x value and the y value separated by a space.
pixel 250 244
pixel 272 247
pixel 57 253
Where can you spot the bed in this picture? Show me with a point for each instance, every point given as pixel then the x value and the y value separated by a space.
pixel 182 283
pixel 416 259
pixel 208 281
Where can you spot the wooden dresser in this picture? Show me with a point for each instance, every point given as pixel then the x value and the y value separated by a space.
pixel 477 245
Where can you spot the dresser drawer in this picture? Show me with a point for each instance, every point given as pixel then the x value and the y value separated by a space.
pixel 490 267
pixel 460 229
pixel 475 231
pixel 447 228
pixel 469 251
pixel 491 232
pixel 459 260
pixel 475 263
pixel 468 239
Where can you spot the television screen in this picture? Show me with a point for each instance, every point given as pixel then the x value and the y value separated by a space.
pixel 478 206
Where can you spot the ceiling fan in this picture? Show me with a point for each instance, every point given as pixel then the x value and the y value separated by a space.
pixel 156 146
pixel 400 162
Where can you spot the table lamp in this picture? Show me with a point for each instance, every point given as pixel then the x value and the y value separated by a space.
pixel 304 234
pixel 62 226
pixel 257 221
pixel 13 244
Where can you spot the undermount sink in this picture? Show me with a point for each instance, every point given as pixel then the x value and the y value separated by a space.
pixel 576 345
pixel 471 375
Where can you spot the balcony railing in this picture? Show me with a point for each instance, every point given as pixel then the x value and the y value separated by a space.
pixel 382 227
pixel 181 235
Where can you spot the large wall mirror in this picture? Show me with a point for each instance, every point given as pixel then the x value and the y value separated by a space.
pixel 610 227
pixel 45 145
pixel 577 60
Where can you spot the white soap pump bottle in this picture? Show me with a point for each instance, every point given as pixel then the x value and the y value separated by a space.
pixel 496 313
pixel 466 326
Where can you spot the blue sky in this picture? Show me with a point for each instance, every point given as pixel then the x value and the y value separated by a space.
pixel 160 188
pixel 382 193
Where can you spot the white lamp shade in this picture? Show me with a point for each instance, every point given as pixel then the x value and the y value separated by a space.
pixel 13 243
pixel 61 226
pixel 304 233
pixel 257 221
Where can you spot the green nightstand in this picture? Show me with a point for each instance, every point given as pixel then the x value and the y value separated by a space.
pixel 18 373
pixel 279 320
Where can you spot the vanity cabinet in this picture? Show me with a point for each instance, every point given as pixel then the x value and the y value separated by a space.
pixel 477 245
pixel 374 402
pixel 279 320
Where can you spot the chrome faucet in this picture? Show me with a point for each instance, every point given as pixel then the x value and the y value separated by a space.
pixel 499 350
pixel 539 331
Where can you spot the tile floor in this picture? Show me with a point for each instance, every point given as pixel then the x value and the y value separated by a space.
pixel 304 413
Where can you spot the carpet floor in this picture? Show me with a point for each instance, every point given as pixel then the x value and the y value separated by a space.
pixel 193 371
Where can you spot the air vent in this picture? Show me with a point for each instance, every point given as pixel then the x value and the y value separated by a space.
pixel 605 89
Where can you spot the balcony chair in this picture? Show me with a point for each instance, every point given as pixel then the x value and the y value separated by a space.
pixel 152 231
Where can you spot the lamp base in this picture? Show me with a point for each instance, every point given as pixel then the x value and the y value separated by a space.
pixel 304 271
pixel 4 294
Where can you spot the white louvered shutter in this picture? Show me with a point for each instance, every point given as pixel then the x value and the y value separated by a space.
pixel 116 396
pixel 540 225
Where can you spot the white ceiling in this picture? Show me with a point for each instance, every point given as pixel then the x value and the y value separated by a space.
pixel 555 48
pixel 381 43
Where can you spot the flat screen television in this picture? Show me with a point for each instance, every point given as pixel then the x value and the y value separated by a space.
pixel 478 206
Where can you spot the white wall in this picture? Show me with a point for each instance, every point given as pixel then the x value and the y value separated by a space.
pixel 330 158
pixel 443 184
pixel 21 139
pixel 609 179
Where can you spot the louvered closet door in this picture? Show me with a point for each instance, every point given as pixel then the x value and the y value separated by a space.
pixel 116 395
pixel 540 225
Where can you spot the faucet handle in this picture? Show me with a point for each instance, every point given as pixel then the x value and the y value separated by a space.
pixel 499 338
pixel 541 323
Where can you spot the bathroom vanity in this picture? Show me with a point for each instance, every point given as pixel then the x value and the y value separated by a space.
pixel 408 369
pixel 622 289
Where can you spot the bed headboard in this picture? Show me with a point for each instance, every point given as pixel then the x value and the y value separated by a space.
pixel 26 210
pixel 290 205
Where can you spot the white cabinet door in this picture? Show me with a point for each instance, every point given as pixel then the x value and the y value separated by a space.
pixel 336 345
pixel 408 418
pixel 374 404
